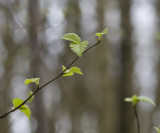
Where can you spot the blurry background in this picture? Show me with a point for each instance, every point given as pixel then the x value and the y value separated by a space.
pixel 126 62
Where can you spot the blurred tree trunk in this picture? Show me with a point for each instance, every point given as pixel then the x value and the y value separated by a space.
pixel 125 89
pixel 5 82
pixel 107 110
pixel 34 15
pixel 158 64
pixel 157 91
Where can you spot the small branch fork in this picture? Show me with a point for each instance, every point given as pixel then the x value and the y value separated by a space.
pixel 39 88
pixel 137 119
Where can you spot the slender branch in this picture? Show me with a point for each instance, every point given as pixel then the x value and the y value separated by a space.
pixel 39 88
pixel 137 119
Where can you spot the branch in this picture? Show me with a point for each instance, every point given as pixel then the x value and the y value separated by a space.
pixel 137 119
pixel 39 88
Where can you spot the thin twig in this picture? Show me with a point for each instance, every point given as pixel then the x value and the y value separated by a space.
pixel 137 119
pixel 39 88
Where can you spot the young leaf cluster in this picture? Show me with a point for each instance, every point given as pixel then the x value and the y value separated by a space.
pixel 24 108
pixel 71 71
pixel 76 45
pixel 136 99
pixel 17 101
pixel 100 34
pixel 32 80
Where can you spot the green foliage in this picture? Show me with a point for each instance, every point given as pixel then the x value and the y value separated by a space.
pixel 100 34
pixel 72 37
pixel 79 48
pixel 76 45
pixel 71 71
pixel 146 99
pixel 157 129
pixel 31 99
pixel 26 111
pixel 24 108
pixel 136 99
pixel 32 80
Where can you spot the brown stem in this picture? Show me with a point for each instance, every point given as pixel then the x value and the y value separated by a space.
pixel 137 119
pixel 39 88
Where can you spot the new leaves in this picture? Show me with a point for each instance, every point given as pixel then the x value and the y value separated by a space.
pixel 19 102
pixel 76 45
pixel 32 80
pixel 24 108
pixel 71 71
pixel 99 34
pixel 136 99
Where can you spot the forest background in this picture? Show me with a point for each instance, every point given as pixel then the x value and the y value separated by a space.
pixel 126 62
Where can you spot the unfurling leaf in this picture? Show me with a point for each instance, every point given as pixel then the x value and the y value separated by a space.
pixel 76 70
pixel 67 72
pixel 105 31
pixel 37 81
pixel 31 99
pixel 71 71
pixel 32 80
pixel 72 37
pixel 146 99
pixel 28 81
pixel 128 99
pixel 99 34
pixel 24 108
pixel 136 99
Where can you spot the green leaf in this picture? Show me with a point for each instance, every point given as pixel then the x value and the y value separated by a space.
pixel 37 81
pixel 76 70
pixel 136 99
pixel 17 102
pixel 26 111
pixel 31 99
pixel 63 68
pixel 24 108
pixel 157 129
pixel 128 100
pixel 72 37
pixel 146 99
pixel 98 34
pixel 76 45
pixel 105 31
pixel 79 48
pixel 71 71
pixel 32 80
pixel 28 81
pixel 67 72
